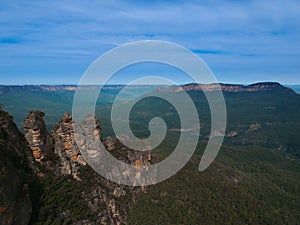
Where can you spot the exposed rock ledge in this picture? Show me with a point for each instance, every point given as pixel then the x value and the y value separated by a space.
pixel 264 86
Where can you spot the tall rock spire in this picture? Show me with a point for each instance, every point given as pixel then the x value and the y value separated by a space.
pixel 66 147
pixel 36 134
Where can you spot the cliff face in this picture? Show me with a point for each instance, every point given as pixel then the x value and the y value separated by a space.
pixel 23 194
pixel 88 139
pixel 60 143
pixel 264 86
pixel 137 159
pixel 66 147
pixel 15 88
pixel 99 195
pixel 15 204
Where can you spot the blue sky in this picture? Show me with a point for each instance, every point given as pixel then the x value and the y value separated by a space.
pixel 53 41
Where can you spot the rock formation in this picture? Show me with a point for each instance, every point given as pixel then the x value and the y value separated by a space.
pixel 88 139
pixel 254 127
pixel 232 134
pixel 66 147
pixel 37 135
pixel 137 159
pixel 54 156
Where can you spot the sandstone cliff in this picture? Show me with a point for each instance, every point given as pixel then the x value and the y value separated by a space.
pixel 264 86
pixel 17 88
pixel 15 204
pixel 57 155
pixel 37 135
pixel 66 147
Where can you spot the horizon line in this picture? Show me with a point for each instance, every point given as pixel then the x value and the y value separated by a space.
pixel 284 84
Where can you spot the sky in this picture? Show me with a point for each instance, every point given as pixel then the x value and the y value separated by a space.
pixel 54 41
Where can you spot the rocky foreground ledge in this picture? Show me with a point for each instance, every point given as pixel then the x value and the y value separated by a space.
pixel 28 160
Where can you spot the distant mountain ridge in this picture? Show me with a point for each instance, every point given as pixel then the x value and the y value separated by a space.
pixel 8 88
pixel 263 86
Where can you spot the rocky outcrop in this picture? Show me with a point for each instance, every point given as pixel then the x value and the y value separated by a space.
pixel 66 147
pixel 109 211
pixel 137 159
pixel 62 143
pixel 232 134
pixel 102 197
pixel 36 134
pixel 114 213
pixel 15 204
pixel 109 192
pixel 254 127
pixel 87 141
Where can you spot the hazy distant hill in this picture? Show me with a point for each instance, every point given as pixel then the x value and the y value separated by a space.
pixel 263 86
pixel 4 89
pixel 17 88
pixel 265 114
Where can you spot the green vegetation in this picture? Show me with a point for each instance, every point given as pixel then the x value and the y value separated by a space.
pixel 59 201
pixel 254 180
pixel 247 185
